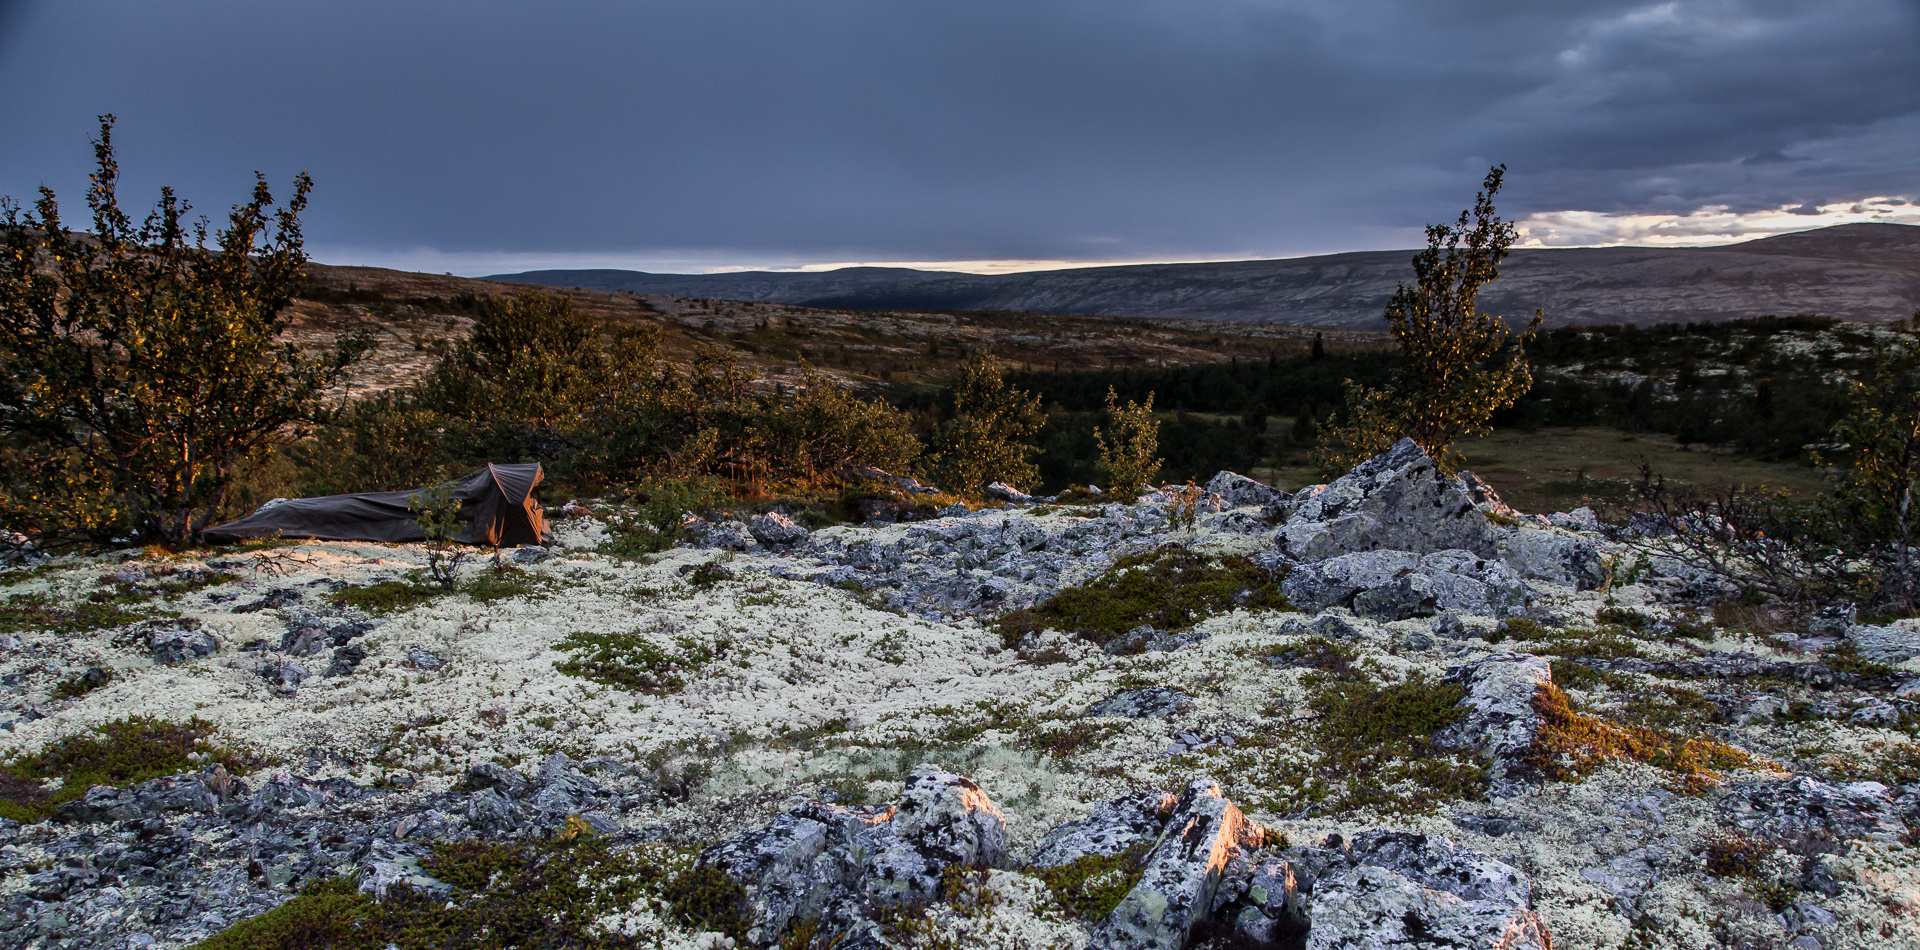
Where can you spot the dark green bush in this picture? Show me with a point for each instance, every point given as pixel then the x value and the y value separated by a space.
pixel 1170 588
pixel 119 753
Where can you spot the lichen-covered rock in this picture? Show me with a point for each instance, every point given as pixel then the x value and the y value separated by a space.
pixel 1185 867
pixel 180 646
pixel 1436 862
pixel 838 864
pixel 1396 500
pixel 1808 806
pixel 1001 491
pixel 1888 644
pixel 1142 703
pixel 1376 908
pixel 1335 581
pixel 1239 491
pixel 775 529
pixel 1133 819
pixel 1544 555
pixel 1501 721
pixel 1409 595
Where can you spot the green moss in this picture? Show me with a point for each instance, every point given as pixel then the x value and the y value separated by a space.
pixel 1373 747
pixel 80 684
pixel 119 753
pixel 631 661
pixel 385 597
pixel 704 898
pixel 1845 658
pixel 23 612
pixel 1577 675
pixel 1319 654
pixel 1170 588
pixel 710 573
pixel 529 894
pixel 1091 887
pixel 501 583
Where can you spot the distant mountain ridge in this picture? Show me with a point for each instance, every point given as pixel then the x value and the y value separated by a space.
pixel 1867 272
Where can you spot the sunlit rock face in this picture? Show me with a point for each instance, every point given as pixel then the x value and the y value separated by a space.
pixel 1203 834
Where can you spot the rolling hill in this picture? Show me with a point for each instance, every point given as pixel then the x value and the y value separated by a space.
pixel 1867 272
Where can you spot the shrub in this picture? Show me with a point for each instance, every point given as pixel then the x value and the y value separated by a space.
pixel 119 753
pixel 1460 364
pixel 1090 887
pixel 659 506
pixel 1129 447
pixel 140 368
pixel 1170 588
pixel 385 597
pixel 631 661
pixel 1375 745
pixel 989 437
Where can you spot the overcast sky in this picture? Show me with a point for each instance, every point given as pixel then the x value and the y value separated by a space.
pixel 478 137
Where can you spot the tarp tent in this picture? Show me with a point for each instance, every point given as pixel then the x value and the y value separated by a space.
pixel 496 502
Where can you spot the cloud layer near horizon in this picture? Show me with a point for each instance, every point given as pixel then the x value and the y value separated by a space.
pixel 727 133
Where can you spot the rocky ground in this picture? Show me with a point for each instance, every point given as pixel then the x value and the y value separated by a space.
pixel 1474 728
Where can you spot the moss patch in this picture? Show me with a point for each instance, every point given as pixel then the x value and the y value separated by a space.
pixel 1170 588
pixel 23 612
pixel 501 583
pixel 1092 886
pixel 119 753
pixel 544 894
pixel 385 597
pixel 1571 745
pixel 631 661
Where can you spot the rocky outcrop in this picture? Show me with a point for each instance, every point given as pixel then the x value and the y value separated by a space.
pixel 1203 835
pixel 1501 721
pixel 1398 500
pixel 836 864
pixel 1394 585
pixel 1808 806
pixel 1544 555
pixel 1238 491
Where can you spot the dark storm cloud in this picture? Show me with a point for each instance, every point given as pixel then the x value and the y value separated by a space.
pixel 794 130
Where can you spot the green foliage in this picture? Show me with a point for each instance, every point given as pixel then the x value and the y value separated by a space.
pixel 385 597
pixel 658 508
pixel 40 612
pixel 706 899
pixel 1170 588
pixel 80 684
pixel 1460 364
pixel 501 582
pixel 1129 447
pixel 1374 744
pixel 1874 492
pixel 438 511
pixel 990 435
pixel 541 895
pixel 140 368
pixel 631 661
pixel 1090 887
pixel 120 753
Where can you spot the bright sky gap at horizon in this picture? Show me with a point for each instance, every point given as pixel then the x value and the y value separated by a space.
pixel 988 136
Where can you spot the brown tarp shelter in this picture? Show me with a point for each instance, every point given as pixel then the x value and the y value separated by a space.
pixel 496 502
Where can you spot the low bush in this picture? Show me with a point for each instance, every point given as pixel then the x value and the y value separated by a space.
pixel 543 895
pixel 23 612
pixel 1090 887
pixel 385 597
pixel 1571 745
pixel 1170 588
pixel 631 661
pixel 119 753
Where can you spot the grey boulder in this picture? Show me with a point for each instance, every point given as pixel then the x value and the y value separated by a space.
pixel 776 530
pixel 1501 721
pixel 1112 828
pixel 1203 836
pixel 1239 491
pixel 1397 500
pixel 180 646
pixel 1543 555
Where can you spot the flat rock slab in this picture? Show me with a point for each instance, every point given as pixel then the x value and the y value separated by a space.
pixel 1150 702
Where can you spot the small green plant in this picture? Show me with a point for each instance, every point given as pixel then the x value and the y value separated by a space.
pixel 631 661
pixel 502 582
pixel 1170 588
pixel 711 572
pixel 1090 887
pixel 1129 446
pixel 438 512
pixel 1183 507
pixel 23 612
pixel 80 684
pixel 659 507
pixel 119 753
pixel 385 597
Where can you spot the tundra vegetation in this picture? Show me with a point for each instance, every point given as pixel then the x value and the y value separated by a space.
pixel 1662 731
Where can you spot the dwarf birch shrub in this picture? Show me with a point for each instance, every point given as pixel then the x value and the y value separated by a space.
pixel 1461 364
pixel 1129 446
pixel 141 368
pixel 990 436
